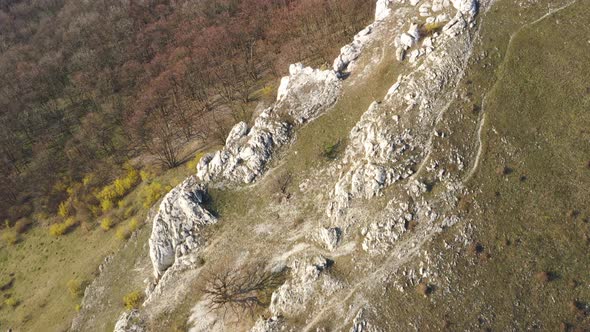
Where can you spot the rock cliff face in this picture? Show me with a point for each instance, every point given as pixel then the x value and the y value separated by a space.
pixel 176 225
pixel 388 146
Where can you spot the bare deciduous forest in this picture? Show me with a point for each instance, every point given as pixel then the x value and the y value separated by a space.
pixel 88 86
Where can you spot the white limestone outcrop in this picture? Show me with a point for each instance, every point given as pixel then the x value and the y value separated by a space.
pixel 129 321
pixel 352 51
pixel 273 324
pixel 246 152
pixel 308 277
pixel 384 148
pixel 175 230
pixel 382 9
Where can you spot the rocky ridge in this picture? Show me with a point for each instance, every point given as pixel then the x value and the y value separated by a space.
pixel 385 147
pixel 303 96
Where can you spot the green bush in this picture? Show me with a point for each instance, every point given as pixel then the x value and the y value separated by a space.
pixel 62 228
pixel 429 29
pixel 124 232
pixel 10 237
pixel 331 151
pixel 63 210
pixel 132 300
pixel 146 176
pixel 75 287
pixel 118 189
pixel 107 223
pixel 192 164
pixel 11 302
pixel 153 192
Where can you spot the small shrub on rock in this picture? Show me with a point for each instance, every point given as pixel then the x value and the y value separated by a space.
pixel 75 287
pixel 331 151
pixel 132 300
pixel 429 29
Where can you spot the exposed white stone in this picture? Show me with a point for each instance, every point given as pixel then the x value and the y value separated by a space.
pixel 414 31
pixel 424 10
pixel 352 51
pixel 238 131
pixel 307 278
pixel 176 224
pixel 379 154
pixel 129 321
pixel 466 6
pixel 382 9
pixel 437 5
pixel 406 40
pixel 442 18
pixel 282 91
pixel 330 237
pixel 273 324
pixel 400 54
pixel 414 55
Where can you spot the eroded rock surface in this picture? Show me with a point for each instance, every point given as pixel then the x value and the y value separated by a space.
pixel 304 95
pixel 308 277
pixel 176 225
pixel 129 321
pixel 393 137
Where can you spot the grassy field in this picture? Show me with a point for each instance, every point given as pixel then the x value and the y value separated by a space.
pixel 528 213
pixel 43 268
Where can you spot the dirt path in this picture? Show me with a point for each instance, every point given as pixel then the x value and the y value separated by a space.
pixel 482 121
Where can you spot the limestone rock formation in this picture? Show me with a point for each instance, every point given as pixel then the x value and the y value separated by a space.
pixel 382 9
pixel 390 144
pixel 129 321
pixel 248 150
pixel 308 275
pixel 273 324
pixel 386 147
pixel 176 225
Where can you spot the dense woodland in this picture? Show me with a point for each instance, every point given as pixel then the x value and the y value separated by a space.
pixel 88 85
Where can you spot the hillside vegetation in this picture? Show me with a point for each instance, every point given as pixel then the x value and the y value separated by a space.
pixel 89 85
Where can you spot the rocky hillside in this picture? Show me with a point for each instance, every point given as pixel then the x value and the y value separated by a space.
pixel 434 179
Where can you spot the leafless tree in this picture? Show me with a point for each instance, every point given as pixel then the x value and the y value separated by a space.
pixel 241 290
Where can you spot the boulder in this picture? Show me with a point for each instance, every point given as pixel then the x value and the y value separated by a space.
pixel 406 40
pixel 330 237
pixel 469 7
pixel 352 51
pixel 382 9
